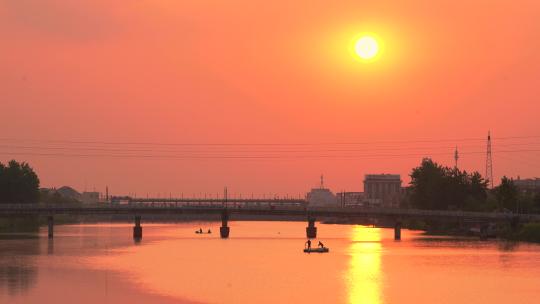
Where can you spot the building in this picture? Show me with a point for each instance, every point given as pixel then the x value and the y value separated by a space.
pixel 321 197
pixel 90 197
pixel 528 184
pixel 69 192
pixel 351 199
pixel 383 190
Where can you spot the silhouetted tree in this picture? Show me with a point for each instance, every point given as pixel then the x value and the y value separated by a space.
pixel 436 187
pixel 19 183
pixel 425 181
pixel 507 194
pixel 478 186
pixel 537 202
pixel 525 202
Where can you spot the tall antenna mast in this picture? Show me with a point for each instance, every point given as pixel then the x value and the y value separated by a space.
pixel 456 156
pixel 489 162
pixel 225 194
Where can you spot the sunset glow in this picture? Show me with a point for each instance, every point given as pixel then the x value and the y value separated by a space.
pixel 355 151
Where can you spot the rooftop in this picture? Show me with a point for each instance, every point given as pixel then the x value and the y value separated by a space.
pixel 383 176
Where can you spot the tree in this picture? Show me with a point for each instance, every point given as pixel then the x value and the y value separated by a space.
pixel 436 187
pixel 537 202
pixel 19 184
pixel 425 181
pixel 507 194
pixel 478 186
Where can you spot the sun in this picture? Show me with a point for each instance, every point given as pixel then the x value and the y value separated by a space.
pixel 366 47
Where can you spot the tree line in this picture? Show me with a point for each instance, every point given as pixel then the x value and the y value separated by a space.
pixel 432 186
pixel 19 184
pixel 437 187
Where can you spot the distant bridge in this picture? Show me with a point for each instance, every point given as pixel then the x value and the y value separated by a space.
pixel 227 208
pixel 214 201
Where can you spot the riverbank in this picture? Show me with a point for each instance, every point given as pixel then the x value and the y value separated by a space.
pixel 529 232
pixel 26 224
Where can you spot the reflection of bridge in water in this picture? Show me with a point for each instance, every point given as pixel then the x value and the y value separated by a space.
pixel 266 207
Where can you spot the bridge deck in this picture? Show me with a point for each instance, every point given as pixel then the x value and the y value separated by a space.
pixel 142 209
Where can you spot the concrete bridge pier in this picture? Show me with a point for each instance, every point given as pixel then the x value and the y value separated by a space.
pixel 137 229
pixel 50 222
pixel 311 230
pixel 397 231
pixel 224 229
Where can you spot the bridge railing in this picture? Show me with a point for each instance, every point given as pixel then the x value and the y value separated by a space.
pixel 329 211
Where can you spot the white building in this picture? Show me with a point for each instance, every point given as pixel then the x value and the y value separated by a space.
pixel 321 197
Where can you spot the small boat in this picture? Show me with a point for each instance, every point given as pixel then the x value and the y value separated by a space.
pixel 319 250
pixel 204 232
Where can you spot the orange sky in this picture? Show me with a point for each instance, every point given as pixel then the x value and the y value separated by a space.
pixel 263 72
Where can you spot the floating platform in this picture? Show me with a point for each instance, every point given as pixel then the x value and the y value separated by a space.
pixel 319 250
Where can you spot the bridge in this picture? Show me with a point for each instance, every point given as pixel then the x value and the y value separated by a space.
pixel 235 201
pixel 225 209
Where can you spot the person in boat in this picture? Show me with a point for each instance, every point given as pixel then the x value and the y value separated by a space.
pixel 209 231
pixel 321 244
pixel 200 230
pixel 308 243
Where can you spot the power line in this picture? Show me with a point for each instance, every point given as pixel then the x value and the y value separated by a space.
pixel 259 156
pixel 525 162
pixel 260 144
pixel 120 149
pixel 229 151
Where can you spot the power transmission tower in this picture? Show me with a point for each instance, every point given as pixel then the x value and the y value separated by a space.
pixel 489 162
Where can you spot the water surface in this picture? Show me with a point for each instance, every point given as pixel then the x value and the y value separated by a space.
pixel 262 262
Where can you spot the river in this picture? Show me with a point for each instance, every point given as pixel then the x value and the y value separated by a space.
pixel 262 262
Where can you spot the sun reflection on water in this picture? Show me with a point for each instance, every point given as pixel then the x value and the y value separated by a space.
pixel 364 273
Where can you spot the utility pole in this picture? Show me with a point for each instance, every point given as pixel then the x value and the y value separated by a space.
pixel 456 157
pixel 489 161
